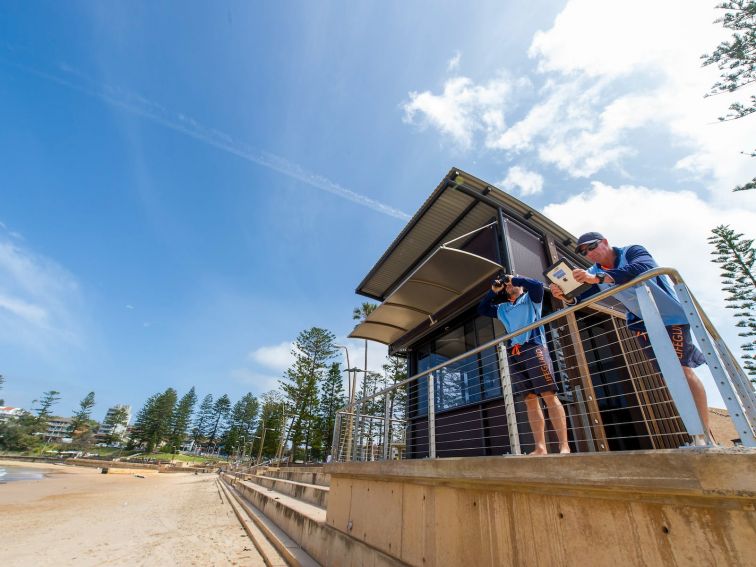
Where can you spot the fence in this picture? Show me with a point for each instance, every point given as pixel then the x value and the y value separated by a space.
pixel 615 391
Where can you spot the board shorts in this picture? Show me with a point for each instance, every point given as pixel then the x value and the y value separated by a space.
pixel 687 353
pixel 530 369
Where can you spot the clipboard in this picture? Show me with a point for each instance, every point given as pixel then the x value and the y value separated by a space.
pixel 560 273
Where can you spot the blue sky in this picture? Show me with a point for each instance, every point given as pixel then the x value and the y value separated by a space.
pixel 184 189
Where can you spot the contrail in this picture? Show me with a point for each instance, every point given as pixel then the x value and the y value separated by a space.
pixel 188 126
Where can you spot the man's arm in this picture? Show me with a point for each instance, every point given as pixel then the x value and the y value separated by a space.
pixel 639 260
pixel 533 287
pixel 486 306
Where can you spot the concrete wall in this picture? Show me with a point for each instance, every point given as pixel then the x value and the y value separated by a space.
pixel 675 507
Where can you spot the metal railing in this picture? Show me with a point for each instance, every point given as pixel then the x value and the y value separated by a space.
pixel 616 394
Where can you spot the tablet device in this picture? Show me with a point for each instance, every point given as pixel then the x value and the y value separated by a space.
pixel 560 273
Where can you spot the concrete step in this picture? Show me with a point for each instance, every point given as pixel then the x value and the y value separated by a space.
pixel 306 525
pixel 316 477
pixel 261 538
pixel 310 493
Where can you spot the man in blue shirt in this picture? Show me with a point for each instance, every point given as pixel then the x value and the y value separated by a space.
pixel 517 302
pixel 612 266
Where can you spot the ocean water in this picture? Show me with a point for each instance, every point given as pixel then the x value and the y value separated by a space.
pixel 9 473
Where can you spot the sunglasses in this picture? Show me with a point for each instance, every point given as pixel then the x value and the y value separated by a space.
pixel 583 250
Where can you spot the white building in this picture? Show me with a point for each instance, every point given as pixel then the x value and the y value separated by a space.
pixel 108 430
pixel 8 412
pixel 58 430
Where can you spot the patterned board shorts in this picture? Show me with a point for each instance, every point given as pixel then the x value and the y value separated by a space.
pixel 687 353
pixel 531 370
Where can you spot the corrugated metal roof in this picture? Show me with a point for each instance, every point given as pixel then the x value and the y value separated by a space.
pixel 430 227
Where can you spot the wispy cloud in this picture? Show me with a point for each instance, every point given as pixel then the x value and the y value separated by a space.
pixel 188 126
pixel 38 299
pixel 453 63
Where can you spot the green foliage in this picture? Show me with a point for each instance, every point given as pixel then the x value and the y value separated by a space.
pixel 203 420
pixel 181 419
pixel 312 350
pixel 242 424
pixel 152 425
pixel 736 59
pixel 49 399
pixel 736 256
pixel 332 399
pixel 22 433
pixel 80 422
pixel 218 417
pixel 269 425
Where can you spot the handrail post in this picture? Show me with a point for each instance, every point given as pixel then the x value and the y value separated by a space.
pixel 668 362
pixel 386 426
pixel 356 441
pixel 738 402
pixel 509 404
pixel 431 416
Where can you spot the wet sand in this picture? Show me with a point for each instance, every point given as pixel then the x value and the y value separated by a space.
pixel 77 516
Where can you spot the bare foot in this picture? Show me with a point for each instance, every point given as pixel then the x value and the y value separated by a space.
pixel 537 452
pixel 564 450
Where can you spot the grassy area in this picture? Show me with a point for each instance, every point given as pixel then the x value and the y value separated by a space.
pixel 180 457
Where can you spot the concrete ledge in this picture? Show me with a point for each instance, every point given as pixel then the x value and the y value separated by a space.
pixel 699 472
pixel 316 495
pixel 317 477
pixel 677 507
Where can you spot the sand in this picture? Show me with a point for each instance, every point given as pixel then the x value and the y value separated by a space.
pixel 77 516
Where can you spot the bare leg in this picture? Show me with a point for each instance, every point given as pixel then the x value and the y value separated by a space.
pixel 537 423
pixel 699 396
pixel 558 419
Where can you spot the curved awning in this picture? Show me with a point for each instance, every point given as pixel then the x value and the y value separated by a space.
pixel 445 276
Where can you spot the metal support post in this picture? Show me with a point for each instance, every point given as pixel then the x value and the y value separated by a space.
pixel 336 438
pixel 734 398
pixel 509 404
pixel 386 426
pixel 356 441
pixel 431 416
pixel 668 362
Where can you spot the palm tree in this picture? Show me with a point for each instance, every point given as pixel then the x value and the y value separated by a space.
pixel 360 314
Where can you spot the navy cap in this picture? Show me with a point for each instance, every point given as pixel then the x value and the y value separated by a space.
pixel 589 237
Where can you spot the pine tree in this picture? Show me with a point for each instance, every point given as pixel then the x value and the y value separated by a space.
pixel 153 422
pixel 332 399
pixel 268 431
pixel 49 399
pixel 736 256
pixel 114 420
pixel 360 314
pixel 242 424
pixel 181 419
pixel 203 420
pixel 80 421
pixel 312 350
pixel 2 381
pixel 736 59
pixel 221 408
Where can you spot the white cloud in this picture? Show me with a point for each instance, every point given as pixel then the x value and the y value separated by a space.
pixel 260 383
pixel 463 109
pixel 276 357
pixel 605 84
pixel 528 182
pixel 31 313
pixel 673 226
pixel 453 63
pixel 129 307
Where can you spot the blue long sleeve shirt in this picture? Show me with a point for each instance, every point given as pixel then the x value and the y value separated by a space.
pixel 514 315
pixel 629 263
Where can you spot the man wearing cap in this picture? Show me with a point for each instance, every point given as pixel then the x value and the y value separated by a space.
pixel 612 266
pixel 517 301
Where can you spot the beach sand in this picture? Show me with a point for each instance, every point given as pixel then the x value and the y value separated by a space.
pixel 77 516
